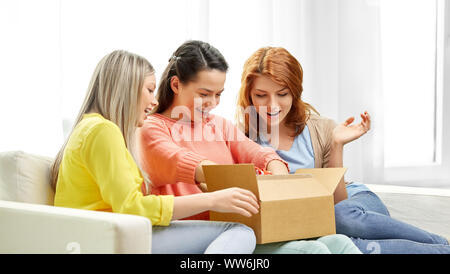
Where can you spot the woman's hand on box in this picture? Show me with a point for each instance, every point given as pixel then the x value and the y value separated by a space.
pixel 234 200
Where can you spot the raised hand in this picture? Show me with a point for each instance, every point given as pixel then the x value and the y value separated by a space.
pixel 346 132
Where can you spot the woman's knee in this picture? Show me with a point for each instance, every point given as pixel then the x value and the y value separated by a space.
pixel 339 244
pixel 310 247
pixel 347 208
pixel 245 233
pixel 348 217
pixel 304 247
pixel 293 247
pixel 234 238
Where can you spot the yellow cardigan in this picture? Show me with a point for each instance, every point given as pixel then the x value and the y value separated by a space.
pixel 97 172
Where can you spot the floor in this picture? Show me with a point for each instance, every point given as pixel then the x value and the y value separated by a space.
pixel 426 208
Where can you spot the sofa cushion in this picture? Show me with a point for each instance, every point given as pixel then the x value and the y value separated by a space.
pixel 25 178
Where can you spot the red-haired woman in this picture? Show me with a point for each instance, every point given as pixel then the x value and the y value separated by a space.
pixel 272 112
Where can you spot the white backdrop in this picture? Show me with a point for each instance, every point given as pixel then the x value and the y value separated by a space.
pixel 49 49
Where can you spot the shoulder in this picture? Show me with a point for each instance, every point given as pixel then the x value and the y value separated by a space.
pixel 93 126
pixel 157 121
pixel 96 133
pixel 157 127
pixel 320 122
pixel 105 132
pixel 103 127
pixel 320 129
pixel 158 118
pixel 319 119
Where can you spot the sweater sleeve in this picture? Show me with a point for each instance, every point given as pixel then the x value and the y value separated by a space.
pixel 244 150
pixel 325 132
pixel 118 178
pixel 165 161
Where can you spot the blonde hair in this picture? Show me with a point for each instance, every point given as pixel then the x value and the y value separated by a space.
pixel 114 92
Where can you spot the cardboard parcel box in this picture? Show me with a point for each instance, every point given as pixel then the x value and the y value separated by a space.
pixel 292 207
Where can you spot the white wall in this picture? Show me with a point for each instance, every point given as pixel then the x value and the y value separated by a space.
pixel 49 49
pixel 30 76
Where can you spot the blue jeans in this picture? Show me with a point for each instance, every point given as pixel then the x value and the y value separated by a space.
pixel 197 237
pixel 365 219
pixel 194 237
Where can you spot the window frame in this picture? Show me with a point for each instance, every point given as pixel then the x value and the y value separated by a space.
pixel 435 174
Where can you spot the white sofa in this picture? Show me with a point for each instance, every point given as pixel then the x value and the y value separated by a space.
pixel 29 223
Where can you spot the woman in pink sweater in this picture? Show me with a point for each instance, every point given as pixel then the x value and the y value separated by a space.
pixel 182 135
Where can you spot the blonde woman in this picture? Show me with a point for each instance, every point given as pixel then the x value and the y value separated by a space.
pixel 96 168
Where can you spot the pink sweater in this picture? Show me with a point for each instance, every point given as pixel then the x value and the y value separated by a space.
pixel 171 150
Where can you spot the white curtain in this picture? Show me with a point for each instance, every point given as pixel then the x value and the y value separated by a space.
pixel 239 30
pixel 49 50
pixel 53 47
pixel 338 45
pixel 349 53
pixel 92 29
pixel 342 78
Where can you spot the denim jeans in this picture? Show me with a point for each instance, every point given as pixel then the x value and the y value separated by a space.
pixel 197 237
pixel 365 219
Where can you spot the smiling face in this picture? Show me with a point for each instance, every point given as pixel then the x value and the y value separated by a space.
pixel 148 100
pixel 271 100
pixel 201 95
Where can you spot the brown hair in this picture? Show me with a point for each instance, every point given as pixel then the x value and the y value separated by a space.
pixel 189 59
pixel 282 68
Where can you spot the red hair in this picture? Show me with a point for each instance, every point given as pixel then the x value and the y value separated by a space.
pixel 282 68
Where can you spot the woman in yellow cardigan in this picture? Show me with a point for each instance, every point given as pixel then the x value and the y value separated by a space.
pixel 96 168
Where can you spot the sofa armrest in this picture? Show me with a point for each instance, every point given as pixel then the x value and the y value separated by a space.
pixel 32 228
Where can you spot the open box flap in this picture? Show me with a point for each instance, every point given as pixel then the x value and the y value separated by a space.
pixel 328 177
pixel 286 187
pixel 224 176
